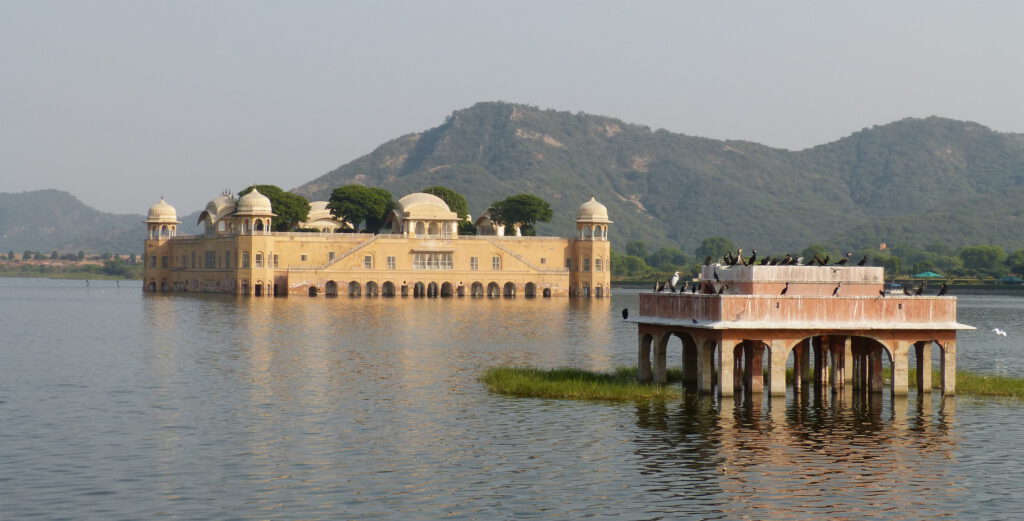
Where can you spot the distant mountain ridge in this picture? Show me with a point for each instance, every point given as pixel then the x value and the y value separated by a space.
pixel 46 220
pixel 914 181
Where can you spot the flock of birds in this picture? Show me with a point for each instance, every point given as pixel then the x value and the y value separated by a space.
pixel 737 259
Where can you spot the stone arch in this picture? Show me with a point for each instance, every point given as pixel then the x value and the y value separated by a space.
pixel 599 290
pixel 372 290
pixel 530 290
pixel 687 353
pixel 312 291
pixel 165 231
pixel 446 289
pixel 432 289
pixel 547 293
pixel 419 290
pixel 476 289
pixel 258 289
pixel 331 289
pixel 387 289
pixel 258 225
pixel 421 230
pixel 587 232
pixel 354 289
pixel 433 230
pixel 493 290
pixel 509 290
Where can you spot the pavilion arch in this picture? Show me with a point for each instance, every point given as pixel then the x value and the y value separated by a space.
pixel 688 353
pixel 643 369
pixel 433 289
pixel 476 289
pixel 387 289
pixel 421 229
pixel 446 289
pixel 312 291
pixel 419 289
pixel 331 289
pixel 372 290
pixel 509 290
pixel 547 293
pixel 493 290
pixel 258 225
pixel 530 290
pixel 354 289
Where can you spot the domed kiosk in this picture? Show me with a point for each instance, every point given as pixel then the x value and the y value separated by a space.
pixel 592 251
pixel 162 220
pixel 255 212
pixel 423 215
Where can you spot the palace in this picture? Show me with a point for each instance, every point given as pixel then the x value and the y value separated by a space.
pixel 422 255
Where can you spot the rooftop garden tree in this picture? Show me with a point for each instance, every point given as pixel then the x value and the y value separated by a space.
pixel 523 210
pixel 357 204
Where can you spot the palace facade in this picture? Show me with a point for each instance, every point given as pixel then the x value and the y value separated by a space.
pixel 422 255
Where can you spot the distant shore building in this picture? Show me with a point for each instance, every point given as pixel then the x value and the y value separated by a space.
pixel 422 255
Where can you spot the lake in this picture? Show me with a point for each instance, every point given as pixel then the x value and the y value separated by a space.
pixel 116 404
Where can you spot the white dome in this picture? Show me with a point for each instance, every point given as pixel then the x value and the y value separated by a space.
pixel 422 199
pixel 254 203
pixel 592 211
pixel 162 213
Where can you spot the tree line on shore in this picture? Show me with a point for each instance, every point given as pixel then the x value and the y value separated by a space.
pixel 900 261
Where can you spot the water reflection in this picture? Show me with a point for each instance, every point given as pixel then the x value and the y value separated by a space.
pixel 806 456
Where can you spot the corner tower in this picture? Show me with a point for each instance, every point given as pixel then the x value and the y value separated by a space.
pixel 161 224
pixel 590 268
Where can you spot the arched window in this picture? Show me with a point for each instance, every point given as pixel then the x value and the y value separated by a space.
pixel 587 232
pixel 165 231
pixel 259 225
pixel 420 229
pixel 259 259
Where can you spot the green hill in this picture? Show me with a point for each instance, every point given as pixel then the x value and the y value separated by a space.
pixel 915 181
pixel 45 220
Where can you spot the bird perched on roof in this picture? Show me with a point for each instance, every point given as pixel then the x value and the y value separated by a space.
pixel 715 273
pixel 694 320
pixel 695 287
pixel 863 261
pixel 707 261
pixel 920 290
pixel 843 261
pixel 818 260
pixel 750 261
pixel 661 287
pixel 835 292
pixel 785 289
pixel 723 288
pixel 625 313
pixel 824 262
pixel 672 282
pixel 943 289
pixel 766 261
pixel 906 291
pixel 881 293
pixel 799 261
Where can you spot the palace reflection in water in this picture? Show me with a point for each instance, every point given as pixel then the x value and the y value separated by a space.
pixel 209 406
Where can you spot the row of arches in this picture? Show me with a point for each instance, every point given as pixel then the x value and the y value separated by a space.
pixel 825 360
pixel 432 289
pixel 598 232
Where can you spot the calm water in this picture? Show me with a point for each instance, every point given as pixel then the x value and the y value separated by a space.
pixel 118 405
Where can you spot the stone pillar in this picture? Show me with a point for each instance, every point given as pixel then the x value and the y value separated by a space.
pixel 949 368
pixel 725 373
pixel 706 366
pixel 643 358
pixel 805 360
pixel 819 363
pixel 777 367
pixel 923 350
pixel 875 381
pixel 754 357
pixel 689 363
pixel 847 359
pixel 900 364
pixel 799 357
pixel 738 363
pixel 835 366
pixel 661 360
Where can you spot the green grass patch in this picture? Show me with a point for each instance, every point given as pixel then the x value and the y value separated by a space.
pixel 566 383
pixel 577 384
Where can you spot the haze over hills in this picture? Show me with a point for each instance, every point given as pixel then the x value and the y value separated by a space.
pixel 914 182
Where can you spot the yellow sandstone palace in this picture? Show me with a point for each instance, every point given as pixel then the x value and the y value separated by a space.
pixel 422 256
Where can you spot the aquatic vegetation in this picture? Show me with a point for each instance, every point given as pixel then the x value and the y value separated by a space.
pixel 620 384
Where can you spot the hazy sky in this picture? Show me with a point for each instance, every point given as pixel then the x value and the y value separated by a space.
pixel 122 102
